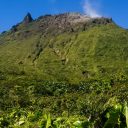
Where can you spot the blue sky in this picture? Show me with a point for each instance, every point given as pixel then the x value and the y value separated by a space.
pixel 13 11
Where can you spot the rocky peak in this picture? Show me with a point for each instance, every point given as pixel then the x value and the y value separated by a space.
pixel 69 22
pixel 73 18
pixel 57 24
pixel 27 19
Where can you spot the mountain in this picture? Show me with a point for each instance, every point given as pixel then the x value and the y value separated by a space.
pixel 68 47
pixel 69 66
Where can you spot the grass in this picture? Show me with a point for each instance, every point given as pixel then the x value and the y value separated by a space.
pixel 71 57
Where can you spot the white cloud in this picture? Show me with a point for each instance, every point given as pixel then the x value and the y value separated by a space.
pixel 90 9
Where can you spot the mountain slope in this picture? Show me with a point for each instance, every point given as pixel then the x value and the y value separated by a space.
pixel 69 66
pixel 68 47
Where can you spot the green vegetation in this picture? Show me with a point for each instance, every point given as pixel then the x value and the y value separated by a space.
pixel 71 77
pixel 91 102
pixel 113 117
pixel 70 57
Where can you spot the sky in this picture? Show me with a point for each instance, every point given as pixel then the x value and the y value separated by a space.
pixel 13 11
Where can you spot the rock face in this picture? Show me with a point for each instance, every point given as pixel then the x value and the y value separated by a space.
pixel 27 19
pixel 72 18
pixel 68 22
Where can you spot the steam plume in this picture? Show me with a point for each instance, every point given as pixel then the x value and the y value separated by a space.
pixel 90 9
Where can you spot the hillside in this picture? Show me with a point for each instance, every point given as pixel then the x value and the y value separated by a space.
pixel 63 63
pixel 67 47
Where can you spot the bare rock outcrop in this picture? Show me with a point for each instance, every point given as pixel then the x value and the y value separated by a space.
pixel 27 19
